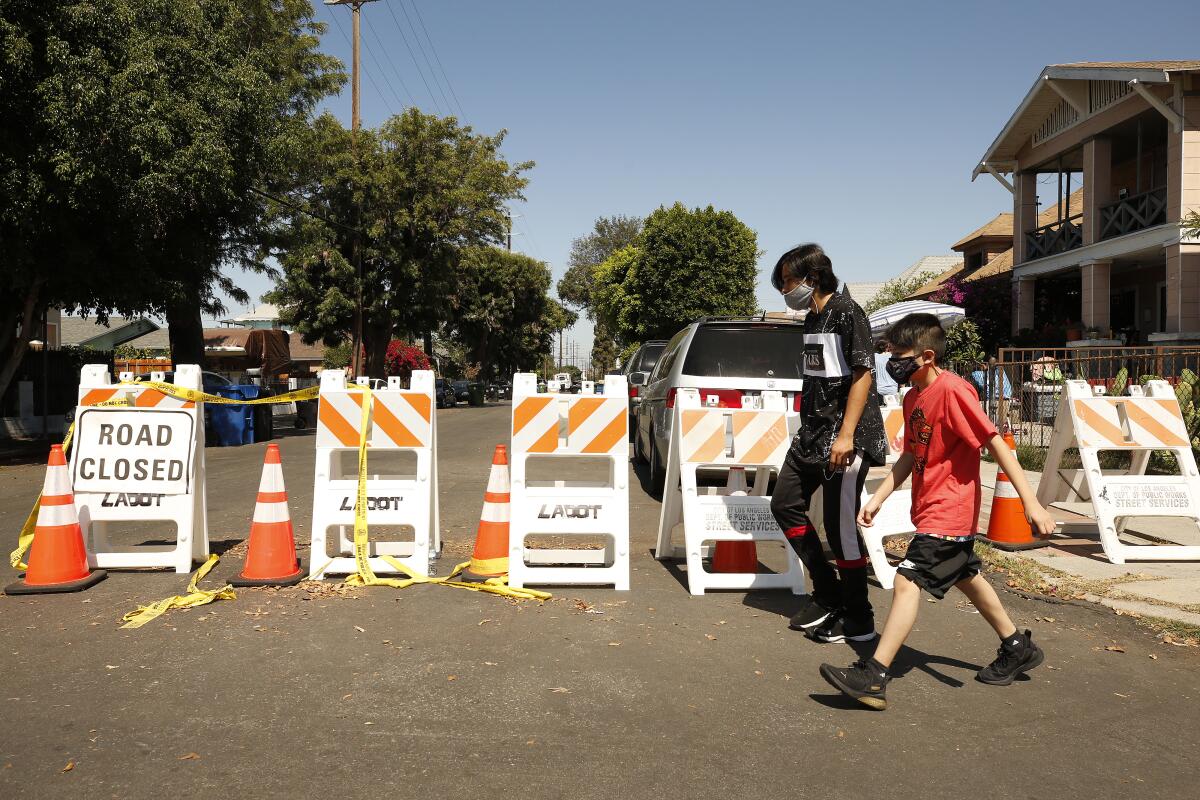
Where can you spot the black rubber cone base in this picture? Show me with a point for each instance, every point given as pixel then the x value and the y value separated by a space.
pixel 286 580
pixel 466 576
pixel 1014 546
pixel 21 587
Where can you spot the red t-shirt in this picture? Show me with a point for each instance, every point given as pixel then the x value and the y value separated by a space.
pixel 945 427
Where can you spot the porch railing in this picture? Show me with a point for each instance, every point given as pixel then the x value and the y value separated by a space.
pixel 1057 237
pixel 1134 213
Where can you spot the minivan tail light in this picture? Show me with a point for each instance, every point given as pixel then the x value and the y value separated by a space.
pixel 671 397
pixel 633 391
pixel 796 402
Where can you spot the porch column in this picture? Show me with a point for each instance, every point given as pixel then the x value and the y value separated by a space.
pixel 1023 293
pixel 1097 295
pixel 1183 157
pixel 1183 288
pixel 1024 212
pixel 1097 185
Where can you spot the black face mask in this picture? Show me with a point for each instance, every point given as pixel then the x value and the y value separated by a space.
pixel 902 368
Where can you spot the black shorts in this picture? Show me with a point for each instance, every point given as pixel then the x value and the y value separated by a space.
pixel 935 563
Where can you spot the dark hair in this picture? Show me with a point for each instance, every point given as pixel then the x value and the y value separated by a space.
pixel 919 332
pixel 881 346
pixel 806 262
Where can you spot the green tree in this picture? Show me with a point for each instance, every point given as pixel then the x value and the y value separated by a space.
pixel 134 134
pixel 685 264
pixel 604 351
pixel 897 290
pixel 500 310
pixel 963 347
pixel 608 235
pixel 414 195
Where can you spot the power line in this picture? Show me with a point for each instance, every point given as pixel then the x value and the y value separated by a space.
pixel 413 56
pixel 383 49
pixel 420 19
pixel 301 209
pixel 421 47
pixel 378 91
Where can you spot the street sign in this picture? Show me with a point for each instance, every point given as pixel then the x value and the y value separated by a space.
pixel 133 451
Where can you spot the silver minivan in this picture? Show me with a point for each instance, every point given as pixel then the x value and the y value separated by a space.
pixel 725 359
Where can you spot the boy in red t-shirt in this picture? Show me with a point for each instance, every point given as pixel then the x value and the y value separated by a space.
pixel 944 429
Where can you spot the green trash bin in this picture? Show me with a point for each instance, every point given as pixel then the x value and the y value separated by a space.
pixel 475 394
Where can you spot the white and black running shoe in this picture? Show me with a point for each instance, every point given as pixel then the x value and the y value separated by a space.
pixel 812 614
pixel 842 628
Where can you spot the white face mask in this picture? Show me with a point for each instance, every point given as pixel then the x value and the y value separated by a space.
pixel 799 298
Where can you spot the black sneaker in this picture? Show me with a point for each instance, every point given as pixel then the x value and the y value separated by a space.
pixel 811 614
pixel 1017 654
pixel 865 681
pixel 841 627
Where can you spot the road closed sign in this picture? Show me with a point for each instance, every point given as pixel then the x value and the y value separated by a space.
pixel 143 451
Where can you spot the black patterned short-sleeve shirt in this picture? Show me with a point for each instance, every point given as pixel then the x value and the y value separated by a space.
pixel 836 341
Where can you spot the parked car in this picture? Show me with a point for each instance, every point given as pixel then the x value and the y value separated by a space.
pixel 500 391
pixel 443 393
pixel 637 369
pixel 726 359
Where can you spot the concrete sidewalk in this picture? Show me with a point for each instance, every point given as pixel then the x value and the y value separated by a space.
pixel 1074 564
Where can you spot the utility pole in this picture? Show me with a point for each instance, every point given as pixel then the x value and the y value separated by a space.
pixel 509 237
pixel 355 122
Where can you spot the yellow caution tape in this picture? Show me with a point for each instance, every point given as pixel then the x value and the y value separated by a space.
pixel 365 576
pixel 195 597
pixel 196 396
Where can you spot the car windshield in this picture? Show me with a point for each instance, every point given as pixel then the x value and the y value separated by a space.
pixel 752 351
pixel 649 357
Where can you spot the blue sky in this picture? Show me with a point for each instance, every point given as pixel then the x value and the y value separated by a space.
pixel 855 125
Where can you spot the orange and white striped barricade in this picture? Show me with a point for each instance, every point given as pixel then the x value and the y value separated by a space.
pixel 400 421
pixel 138 456
pixel 894 519
pixel 892 411
pixel 755 436
pixel 581 427
pixel 1139 424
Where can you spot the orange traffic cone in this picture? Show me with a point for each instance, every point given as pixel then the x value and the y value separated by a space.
pixel 58 558
pixel 729 556
pixel 490 559
pixel 1007 528
pixel 271 555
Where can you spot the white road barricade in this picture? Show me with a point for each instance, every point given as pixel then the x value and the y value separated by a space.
pixel 401 420
pixel 138 456
pixel 1140 423
pixel 559 426
pixel 754 437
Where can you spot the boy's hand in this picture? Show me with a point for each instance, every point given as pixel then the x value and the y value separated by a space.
pixel 841 454
pixel 866 516
pixel 1040 520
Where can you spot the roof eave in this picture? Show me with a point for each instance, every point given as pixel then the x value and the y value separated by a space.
pixel 1144 75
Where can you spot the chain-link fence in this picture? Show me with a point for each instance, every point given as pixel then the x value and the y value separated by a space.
pixel 1021 389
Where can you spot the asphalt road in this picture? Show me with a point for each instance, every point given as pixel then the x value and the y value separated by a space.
pixel 313 691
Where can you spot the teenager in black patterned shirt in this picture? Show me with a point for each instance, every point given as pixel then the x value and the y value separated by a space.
pixel 841 437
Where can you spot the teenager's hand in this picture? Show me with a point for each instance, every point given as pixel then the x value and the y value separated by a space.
pixel 1040 520
pixel 841 455
pixel 866 516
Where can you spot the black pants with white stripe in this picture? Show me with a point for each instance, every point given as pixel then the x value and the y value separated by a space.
pixel 841 497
